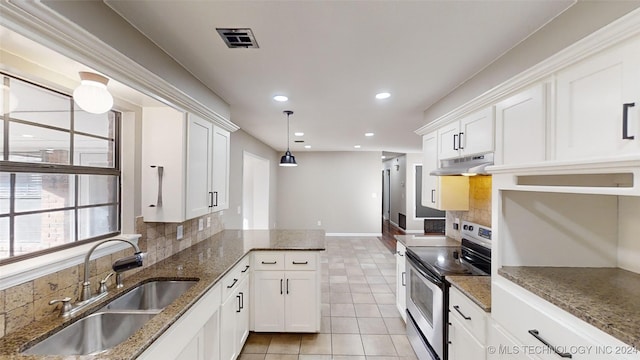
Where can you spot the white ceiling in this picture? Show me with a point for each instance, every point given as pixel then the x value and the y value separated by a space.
pixel 331 57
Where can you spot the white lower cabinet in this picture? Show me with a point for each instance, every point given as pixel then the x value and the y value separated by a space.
pixel 194 336
pixel 401 284
pixel 502 346
pixel 286 300
pixel 234 315
pixel 548 332
pixel 467 328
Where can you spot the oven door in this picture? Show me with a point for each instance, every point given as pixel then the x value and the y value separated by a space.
pixel 425 303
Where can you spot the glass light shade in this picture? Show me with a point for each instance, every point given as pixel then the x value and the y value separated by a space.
pixel 288 160
pixel 92 95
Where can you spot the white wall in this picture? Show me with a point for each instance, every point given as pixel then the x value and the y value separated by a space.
pixel 578 21
pixel 241 142
pixel 336 188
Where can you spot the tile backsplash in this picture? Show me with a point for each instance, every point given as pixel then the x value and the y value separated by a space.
pixel 26 303
pixel 479 206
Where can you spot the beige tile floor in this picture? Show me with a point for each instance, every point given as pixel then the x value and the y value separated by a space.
pixel 360 320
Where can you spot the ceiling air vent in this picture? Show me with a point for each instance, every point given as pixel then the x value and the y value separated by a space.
pixel 238 38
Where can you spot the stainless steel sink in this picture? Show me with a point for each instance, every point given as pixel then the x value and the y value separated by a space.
pixel 93 334
pixel 114 322
pixel 154 295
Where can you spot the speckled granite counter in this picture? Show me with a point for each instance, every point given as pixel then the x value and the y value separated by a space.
pixel 606 298
pixel 207 261
pixel 476 288
pixel 426 240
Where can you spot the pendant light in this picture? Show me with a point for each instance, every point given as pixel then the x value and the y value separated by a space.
pixel 287 159
pixel 92 95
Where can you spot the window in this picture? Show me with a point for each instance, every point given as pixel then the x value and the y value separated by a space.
pixel 59 171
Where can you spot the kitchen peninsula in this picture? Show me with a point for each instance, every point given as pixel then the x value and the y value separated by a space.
pixel 207 261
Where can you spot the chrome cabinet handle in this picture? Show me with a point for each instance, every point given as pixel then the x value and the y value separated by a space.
pixel 216 203
pixel 210 199
pixel 457 308
pixel 536 334
pixel 160 175
pixel 455 141
pixel 625 121
pixel 460 141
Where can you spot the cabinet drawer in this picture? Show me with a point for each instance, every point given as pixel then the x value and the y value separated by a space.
pixel 525 316
pixel 470 315
pixel 300 260
pixel 268 260
pixel 235 276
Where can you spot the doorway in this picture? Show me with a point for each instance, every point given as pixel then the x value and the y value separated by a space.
pixel 255 192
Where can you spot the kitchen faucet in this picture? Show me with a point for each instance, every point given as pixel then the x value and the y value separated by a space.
pixel 119 266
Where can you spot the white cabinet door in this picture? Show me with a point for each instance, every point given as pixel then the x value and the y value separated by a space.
pixel 228 327
pixel 211 337
pixel 449 141
pixel 199 167
pixel 242 330
pixel 463 345
pixel 401 292
pixel 503 346
pixel 592 99
pixel 300 301
pixel 268 302
pixel 194 350
pixel 521 127
pixel 441 192
pixel 476 133
pixel 220 189
pixel 163 164
pixel 430 184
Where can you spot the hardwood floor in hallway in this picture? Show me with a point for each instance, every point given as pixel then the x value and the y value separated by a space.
pixel 360 320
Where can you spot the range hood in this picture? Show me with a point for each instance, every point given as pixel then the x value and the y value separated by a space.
pixel 472 165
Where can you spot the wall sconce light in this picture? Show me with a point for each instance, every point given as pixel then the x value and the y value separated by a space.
pixel 92 95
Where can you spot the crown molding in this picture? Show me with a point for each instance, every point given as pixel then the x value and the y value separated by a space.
pixel 619 30
pixel 45 26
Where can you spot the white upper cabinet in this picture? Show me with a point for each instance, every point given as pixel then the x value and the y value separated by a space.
pixel 521 127
pixel 220 185
pixel 472 134
pixel 441 192
pixel 185 166
pixel 199 166
pixel 598 102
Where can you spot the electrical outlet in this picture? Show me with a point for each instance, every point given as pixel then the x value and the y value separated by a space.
pixel 200 224
pixel 208 221
pixel 180 232
pixel 319 223
pixel 456 224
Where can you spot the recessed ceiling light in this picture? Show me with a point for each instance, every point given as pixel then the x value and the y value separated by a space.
pixel 27 135
pixel 383 95
pixel 307 146
pixel 384 157
pixel 299 134
pixel 356 146
pixel 369 134
pixel 280 98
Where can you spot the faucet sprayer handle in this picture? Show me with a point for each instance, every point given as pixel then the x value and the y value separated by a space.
pixel 66 305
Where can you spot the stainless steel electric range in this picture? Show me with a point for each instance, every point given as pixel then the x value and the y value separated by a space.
pixel 428 292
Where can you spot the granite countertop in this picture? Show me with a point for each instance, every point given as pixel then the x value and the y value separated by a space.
pixel 426 240
pixel 476 288
pixel 606 298
pixel 207 261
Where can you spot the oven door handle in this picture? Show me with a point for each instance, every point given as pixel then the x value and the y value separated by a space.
pixel 413 262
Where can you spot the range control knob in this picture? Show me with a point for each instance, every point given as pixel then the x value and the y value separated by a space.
pixel 470 227
pixel 465 227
